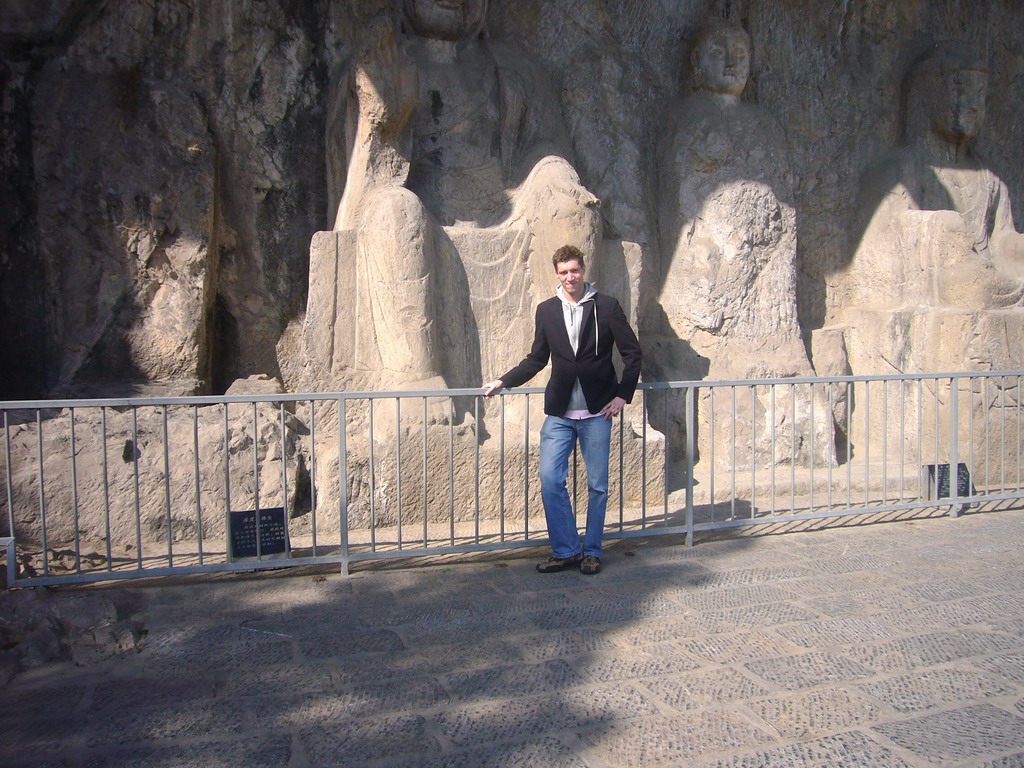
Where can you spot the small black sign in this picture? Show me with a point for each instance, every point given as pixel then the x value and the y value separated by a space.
pixel 273 532
pixel 936 476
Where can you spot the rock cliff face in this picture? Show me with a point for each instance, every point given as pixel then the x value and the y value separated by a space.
pixel 162 164
pixel 166 165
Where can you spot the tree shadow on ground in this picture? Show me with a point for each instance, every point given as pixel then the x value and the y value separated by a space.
pixel 485 663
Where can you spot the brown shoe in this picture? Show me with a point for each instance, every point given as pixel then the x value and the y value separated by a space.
pixel 590 565
pixel 556 564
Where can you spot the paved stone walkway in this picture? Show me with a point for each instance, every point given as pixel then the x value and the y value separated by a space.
pixel 864 646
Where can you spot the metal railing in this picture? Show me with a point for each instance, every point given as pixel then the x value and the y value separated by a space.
pixel 122 488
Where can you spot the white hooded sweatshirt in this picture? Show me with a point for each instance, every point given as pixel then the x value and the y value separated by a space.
pixel 572 314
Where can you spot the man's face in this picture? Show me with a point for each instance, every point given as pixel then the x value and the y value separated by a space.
pixel 722 62
pixel 446 19
pixel 570 275
pixel 958 103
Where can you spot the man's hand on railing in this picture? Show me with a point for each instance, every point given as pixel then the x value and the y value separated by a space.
pixel 491 387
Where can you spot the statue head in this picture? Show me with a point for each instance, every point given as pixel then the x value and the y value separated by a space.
pixel 446 19
pixel 947 92
pixel 721 58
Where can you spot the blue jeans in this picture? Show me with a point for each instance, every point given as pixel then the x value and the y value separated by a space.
pixel 558 436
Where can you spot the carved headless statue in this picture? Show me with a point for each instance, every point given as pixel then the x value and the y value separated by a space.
pixel 449 159
pixel 941 229
pixel 727 229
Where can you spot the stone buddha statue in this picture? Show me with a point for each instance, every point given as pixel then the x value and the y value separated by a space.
pixel 935 281
pixel 727 232
pixel 726 222
pixel 449 160
pixel 939 228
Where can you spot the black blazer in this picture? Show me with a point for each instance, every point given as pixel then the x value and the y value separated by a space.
pixel 592 366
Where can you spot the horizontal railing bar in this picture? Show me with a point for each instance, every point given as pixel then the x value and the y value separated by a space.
pixel 791 518
pixel 129 402
pixel 850 512
pixel 145 573
pixel 299 561
pixel 862 509
pixel 17 405
pixel 448 549
pixel 401 554
pixel 703 383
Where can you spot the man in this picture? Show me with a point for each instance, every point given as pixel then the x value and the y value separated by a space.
pixel 577 329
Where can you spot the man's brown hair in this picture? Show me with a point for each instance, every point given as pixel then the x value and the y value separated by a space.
pixel 568 253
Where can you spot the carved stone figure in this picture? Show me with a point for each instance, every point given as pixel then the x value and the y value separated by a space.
pixel 940 229
pixel 728 231
pixel 935 282
pixel 452 181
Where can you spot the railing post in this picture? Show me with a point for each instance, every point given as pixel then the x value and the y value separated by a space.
pixel 199 492
pixel 12 562
pixel 74 492
pixel 954 453
pixel 227 485
pixel 10 485
pixel 426 493
pixel 691 447
pixel 343 486
pixel 42 492
pixel 526 468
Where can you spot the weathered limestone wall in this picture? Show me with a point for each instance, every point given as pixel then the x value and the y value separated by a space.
pixel 172 187
pixel 163 162
pixel 165 166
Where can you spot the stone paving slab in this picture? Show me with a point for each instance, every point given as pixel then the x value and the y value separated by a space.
pixel 896 645
pixel 817 712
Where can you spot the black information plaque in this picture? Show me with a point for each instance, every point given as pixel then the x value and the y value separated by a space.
pixel 273 532
pixel 935 478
